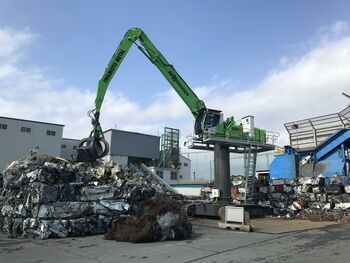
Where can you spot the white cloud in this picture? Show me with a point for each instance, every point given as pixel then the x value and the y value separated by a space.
pixel 310 86
pixel 335 31
pixel 297 88
pixel 12 43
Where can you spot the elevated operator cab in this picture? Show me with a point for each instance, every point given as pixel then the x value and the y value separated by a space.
pixel 207 121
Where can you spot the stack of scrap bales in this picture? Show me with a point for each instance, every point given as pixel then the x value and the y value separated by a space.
pixel 261 189
pixel 50 197
pixel 281 196
pixel 327 198
pixel 315 198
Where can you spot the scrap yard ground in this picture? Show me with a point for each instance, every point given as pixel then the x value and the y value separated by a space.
pixel 275 241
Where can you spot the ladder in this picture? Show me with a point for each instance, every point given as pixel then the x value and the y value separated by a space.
pixel 250 155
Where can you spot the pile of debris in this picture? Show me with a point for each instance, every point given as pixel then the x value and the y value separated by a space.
pixel 314 198
pixel 48 197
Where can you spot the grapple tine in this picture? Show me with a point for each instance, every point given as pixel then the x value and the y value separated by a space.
pixel 90 149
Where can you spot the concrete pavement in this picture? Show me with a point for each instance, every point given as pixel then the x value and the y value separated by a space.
pixel 208 244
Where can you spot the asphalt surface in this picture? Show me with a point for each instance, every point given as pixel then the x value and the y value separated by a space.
pixel 208 244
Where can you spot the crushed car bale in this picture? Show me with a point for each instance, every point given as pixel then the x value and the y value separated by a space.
pixel 46 197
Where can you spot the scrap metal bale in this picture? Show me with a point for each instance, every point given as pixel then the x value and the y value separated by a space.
pixel 238 181
pixel 92 225
pixel 69 191
pixel 94 193
pixel 341 198
pixel 263 189
pixel 69 210
pixel 43 193
pixel 314 180
pixel 334 189
pixel 62 210
pixel 43 229
pixel 110 207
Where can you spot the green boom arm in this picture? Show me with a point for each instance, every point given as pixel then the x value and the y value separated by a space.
pixel 136 35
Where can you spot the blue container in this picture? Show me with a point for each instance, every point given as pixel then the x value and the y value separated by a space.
pixel 284 166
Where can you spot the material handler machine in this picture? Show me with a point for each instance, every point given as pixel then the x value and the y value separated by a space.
pixel 210 128
pixel 208 122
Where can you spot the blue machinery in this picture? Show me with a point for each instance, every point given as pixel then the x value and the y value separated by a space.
pixel 319 146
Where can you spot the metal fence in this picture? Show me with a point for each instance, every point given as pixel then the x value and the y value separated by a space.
pixel 307 134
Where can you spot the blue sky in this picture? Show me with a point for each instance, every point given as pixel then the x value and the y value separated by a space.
pixel 238 56
pixel 241 40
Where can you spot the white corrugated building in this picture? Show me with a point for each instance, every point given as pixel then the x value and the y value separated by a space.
pixel 18 137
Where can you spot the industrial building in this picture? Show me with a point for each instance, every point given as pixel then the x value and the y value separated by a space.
pixel 19 136
pixel 128 146
pixel 175 175
pixel 67 147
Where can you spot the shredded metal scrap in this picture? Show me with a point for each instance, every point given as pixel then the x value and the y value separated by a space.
pixel 155 219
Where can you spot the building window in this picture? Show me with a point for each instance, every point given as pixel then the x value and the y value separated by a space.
pixel 26 129
pixel 50 133
pixel 63 146
pixel 181 176
pixel 3 126
pixel 173 176
pixel 186 164
pixel 160 174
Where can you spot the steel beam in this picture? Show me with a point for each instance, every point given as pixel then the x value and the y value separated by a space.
pixel 222 171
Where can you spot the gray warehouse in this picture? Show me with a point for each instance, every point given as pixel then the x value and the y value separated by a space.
pixel 132 146
pixel 18 137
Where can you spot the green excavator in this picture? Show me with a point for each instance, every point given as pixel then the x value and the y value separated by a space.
pixel 208 122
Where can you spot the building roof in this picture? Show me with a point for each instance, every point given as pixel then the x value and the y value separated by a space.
pixel 71 139
pixel 40 122
pixel 185 157
pixel 138 133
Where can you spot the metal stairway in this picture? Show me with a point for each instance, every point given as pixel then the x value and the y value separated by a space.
pixel 250 156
